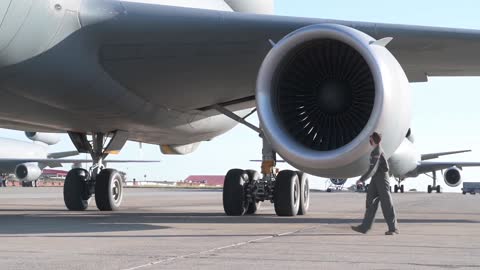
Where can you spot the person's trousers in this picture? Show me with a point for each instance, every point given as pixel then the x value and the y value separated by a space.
pixel 379 192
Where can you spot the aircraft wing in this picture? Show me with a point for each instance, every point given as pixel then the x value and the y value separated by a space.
pixel 437 155
pixel 62 154
pixel 53 163
pixel 165 66
pixel 430 166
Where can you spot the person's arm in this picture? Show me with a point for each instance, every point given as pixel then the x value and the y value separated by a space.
pixel 374 159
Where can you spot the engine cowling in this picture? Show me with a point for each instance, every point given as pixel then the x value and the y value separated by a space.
pixel 452 177
pixel 27 172
pixel 47 138
pixel 338 181
pixel 322 90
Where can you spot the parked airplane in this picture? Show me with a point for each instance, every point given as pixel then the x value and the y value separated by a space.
pixel 179 72
pixel 27 160
pixel 406 162
pixel 15 154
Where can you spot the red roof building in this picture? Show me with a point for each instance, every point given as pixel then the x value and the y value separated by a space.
pixel 205 180
pixel 51 173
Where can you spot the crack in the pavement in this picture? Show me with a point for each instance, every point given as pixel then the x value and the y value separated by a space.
pixel 219 248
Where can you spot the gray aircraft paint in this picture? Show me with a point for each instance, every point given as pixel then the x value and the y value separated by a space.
pixel 99 65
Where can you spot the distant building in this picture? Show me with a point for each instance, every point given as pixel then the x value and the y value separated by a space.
pixel 204 180
pixel 55 174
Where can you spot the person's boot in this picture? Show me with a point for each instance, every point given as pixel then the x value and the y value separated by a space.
pixel 359 229
pixel 396 231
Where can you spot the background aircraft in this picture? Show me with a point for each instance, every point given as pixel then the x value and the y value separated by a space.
pixel 16 156
pixel 177 73
pixel 28 159
pixel 408 163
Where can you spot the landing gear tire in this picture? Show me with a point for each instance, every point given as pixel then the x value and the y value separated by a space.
pixel 234 201
pixel 75 190
pixel 438 189
pixel 402 189
pixel 34 183
pixel 395 189
pixel 287 193
pixel 253 176
pixel 304 193
pixel 429 189
pixel 108 190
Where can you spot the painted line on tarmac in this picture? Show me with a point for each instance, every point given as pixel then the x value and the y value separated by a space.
pixel 218 248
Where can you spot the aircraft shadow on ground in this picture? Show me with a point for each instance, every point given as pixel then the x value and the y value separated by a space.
pixel 97 222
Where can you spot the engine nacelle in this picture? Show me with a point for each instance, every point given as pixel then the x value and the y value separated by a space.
pixel 27 172
pixel 47 138
pixel 338 181
pixel 452 177
pixel 323 90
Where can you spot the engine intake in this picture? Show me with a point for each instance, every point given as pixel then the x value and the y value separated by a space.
pixel 27 172
pixel 453 177
pixel 47 138
pixel 324 94
pixel 322 90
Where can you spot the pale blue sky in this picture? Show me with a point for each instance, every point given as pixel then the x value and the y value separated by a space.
pixel 445 115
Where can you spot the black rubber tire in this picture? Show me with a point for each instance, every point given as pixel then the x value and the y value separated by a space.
pixel 395 189
pixel 438 189
pixel 304 193
pixel 329 190
pixel 402 189
pixel 429 189
pixel 109 190
pixel 287 193
pixel 75 190
pixel 253 176
pixel 464 193
pixel 34 183
pixel 234 202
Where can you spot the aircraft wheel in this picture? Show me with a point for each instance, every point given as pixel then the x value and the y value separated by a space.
pixel 287 193
pixel 395 189
pixel 108 190
pixel 438 189
pixel 402 189
pixel 429 189
pixel 75 190
pixel 34 183
pixel 304 193
pixel 329 190
pixel 253 176
pixel 234 202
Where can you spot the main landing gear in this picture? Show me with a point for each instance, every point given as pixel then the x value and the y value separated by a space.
pixel 399 187
pixel 106 184
pixel 434 187
pixel 244 190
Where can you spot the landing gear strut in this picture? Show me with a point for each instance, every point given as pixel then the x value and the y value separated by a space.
pixel 106 184
pixel 244 190
pixel 399 186
pixel 434 187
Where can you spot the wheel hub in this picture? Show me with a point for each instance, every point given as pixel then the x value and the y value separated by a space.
pixel 116 190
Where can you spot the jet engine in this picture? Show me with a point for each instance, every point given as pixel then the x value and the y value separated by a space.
pixel 323 90
pixel 452 177
pixel 28 172
pixel 47 138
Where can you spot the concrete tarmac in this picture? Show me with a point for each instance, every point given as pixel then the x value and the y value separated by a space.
pixel 173 229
